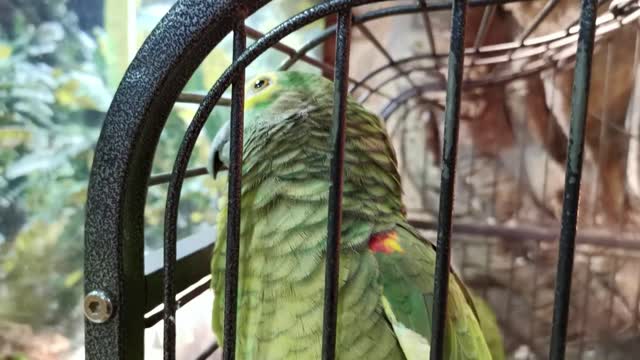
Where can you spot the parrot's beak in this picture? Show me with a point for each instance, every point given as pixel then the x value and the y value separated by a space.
pixel 219 155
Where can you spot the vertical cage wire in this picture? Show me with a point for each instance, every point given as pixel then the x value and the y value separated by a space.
pixel 428 29
pixel 573 176
pixel 449 153
pixel 338 134
pixel 169 297
pixel 170 240
pixel 391 61
pixel 241 60
pixel 235 183
pixel 341 71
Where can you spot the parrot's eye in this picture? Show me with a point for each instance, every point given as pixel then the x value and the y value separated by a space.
pixel 261 84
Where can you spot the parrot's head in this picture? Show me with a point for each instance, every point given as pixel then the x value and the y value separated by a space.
pixel 271 100
pixel 287 143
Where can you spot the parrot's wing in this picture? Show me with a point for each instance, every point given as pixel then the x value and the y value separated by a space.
pixel 413 344
pixel 467 295
pixel 490 328
pixel 407 265
pixel 484 313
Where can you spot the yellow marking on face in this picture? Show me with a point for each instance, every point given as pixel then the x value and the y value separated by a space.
pixel 259 89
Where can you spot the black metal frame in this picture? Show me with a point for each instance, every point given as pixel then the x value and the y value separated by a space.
pixel 449 157
pixel 579 102
pixel 152 84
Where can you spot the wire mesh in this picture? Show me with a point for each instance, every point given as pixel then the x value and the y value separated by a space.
pixel 527 55
pixel 235 186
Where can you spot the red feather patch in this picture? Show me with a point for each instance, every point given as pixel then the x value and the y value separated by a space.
pixel 385 242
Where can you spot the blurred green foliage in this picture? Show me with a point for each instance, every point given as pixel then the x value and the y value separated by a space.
pixel 56 83
pixel 52 103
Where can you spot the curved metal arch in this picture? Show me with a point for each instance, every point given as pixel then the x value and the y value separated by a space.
pixel 610 27
pixel 493 54
pixel 410 93
pixel 114 234
pixel 135 120
pixel 215 93
pixel 382 13
pixel 234 72
pixel 402 73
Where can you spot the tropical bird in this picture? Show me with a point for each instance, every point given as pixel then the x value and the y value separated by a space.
pixel 386 270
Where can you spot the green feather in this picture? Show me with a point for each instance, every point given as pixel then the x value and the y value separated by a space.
pixel 490 328
pixel 408 286
pixel 384 299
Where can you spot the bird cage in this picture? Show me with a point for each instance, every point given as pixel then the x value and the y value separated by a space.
pixel 509 118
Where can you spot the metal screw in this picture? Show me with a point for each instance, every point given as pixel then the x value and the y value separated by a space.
pixel 97 307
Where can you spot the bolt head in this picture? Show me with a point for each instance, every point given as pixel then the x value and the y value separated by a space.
pixel 97 307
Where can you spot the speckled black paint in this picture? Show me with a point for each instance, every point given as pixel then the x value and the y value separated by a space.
pixel 573 175
pixel 121 168
pixel 114 233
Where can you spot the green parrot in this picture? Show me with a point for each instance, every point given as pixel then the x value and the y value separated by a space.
pixel 490 328
pixel 386 267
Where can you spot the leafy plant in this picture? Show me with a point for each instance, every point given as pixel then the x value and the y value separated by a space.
pixel 56 83
pixel 52 101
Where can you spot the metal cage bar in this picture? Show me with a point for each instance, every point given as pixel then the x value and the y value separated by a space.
pixel 291 52
pixel 235 183
pixel 208 351
pixel 579 102
pixel 338 134
pixel 122 203
pixel 114 227
pixel 447 181
pixel 428 28
pixel 207 104
pixel 548 7
pixel 539 46
pixel 233 219
pixel 191 98
pixel 165 178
